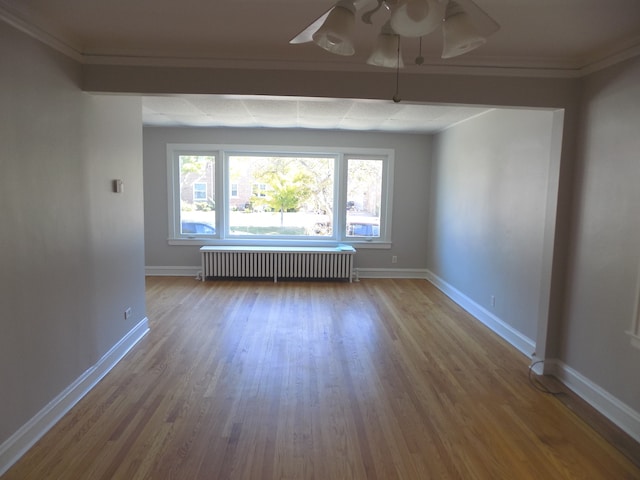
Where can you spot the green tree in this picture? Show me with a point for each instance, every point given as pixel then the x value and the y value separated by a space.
pixel 288 185
pixel 365 184
pixel 320 172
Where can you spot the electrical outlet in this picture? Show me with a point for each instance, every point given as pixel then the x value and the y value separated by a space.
pixel 493 300
pixel 127 313
pixel 394 259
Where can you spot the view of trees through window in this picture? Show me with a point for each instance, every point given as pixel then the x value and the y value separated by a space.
pixel 197 194
pixel 287 196
pixel 276 195
pixel 364 197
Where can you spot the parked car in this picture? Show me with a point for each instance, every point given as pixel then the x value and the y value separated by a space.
pixel 361 226
pixel 363 230
pixel 199 228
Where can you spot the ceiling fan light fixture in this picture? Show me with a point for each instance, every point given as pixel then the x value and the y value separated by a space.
pixel 386 52
pixel 335 33
pixel 459 34
pixel 416 18
pixel 465 27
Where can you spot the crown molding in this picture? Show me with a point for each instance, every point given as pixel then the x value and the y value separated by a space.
pixel 506 68
pixel 15 19
pixel 611 60
pixel 474 66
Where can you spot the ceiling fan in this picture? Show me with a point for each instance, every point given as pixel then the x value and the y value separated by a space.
pixel 465 27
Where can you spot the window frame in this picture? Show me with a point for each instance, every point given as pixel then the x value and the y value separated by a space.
pixel 386 197
pixel 222 194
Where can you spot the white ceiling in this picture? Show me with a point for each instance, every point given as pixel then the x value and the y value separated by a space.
pixel 315 113
pixel 536 36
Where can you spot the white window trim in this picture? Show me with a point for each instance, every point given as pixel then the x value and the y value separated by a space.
pixel 220 152
pixel 173 184
pixel 386 200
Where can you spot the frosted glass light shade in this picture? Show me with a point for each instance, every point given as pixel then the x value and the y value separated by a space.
pixel 460 36
pixel 415 18
pixel 385 53
pixel 335 33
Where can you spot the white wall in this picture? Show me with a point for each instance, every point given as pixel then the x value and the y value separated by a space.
pixel 71 251
pixel 113 150
pixel 412 153
pixel 605 242
pixel 489 185
pixel 44 233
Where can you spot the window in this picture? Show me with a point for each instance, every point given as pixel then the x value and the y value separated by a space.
pixel 259 190
pixel 291 196
pixel 248 195
pixel 199 192
pixel 195 194
pixel 364 197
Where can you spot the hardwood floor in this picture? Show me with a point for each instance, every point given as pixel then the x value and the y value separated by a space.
pixel 381 379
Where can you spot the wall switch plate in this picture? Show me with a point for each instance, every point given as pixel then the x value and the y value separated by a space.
pixel 118 186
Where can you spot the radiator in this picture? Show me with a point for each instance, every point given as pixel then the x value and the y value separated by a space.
pixel 277 262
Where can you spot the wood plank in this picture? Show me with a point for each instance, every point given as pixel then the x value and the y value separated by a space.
pixel 380 379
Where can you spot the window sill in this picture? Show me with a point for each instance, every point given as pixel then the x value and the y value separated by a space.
pixel 357 244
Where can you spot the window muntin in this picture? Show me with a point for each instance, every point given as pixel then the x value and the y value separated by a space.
pixel 350 199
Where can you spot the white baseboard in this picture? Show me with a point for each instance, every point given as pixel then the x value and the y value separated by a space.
pixel 17 445
pixel 506 331
pixel 391 273
pixel 172 271
pixel 359 272
pixel 616 411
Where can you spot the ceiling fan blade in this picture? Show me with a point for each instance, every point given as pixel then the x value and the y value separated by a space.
pixel 307 34
pixel 481 20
